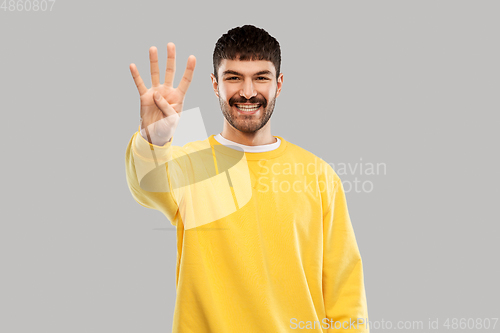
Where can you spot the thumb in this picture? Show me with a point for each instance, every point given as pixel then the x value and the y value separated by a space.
pixel 163 105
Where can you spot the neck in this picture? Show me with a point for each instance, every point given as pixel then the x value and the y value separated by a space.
pixel 260 137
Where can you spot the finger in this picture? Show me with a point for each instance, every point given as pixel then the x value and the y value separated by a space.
pixel 153 62
pixel 188 75
pixel 170 72
pixel 163 105
pixel 137 79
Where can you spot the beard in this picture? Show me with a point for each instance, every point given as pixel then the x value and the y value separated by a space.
pixel 250 123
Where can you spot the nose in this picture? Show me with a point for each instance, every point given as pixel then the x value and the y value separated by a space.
pixel 248 90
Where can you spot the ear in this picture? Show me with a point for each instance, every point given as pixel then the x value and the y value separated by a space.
pixel 279 84
pixel 214 84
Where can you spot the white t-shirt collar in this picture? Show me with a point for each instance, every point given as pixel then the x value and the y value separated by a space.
pixel 248 149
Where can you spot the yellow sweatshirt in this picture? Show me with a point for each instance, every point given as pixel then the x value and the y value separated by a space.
pixel 264 240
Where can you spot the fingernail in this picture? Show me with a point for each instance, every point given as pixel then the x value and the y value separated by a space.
pixel 157 95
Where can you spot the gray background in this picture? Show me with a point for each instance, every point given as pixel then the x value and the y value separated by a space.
pixel 412 84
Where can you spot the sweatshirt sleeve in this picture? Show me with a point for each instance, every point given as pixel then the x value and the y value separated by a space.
pixel 343 284
pixel 148 176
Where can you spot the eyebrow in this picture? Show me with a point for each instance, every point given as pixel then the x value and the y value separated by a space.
pixel 265 72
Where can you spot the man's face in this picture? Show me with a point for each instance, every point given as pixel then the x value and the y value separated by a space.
pixel 247 92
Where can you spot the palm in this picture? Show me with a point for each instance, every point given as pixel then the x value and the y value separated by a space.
pixel 148 105
pixel 150 113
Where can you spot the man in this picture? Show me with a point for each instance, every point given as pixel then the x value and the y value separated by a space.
pixel 264 239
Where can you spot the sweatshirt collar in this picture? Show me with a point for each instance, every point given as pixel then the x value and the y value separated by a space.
pixel 248 149
pixel 279 149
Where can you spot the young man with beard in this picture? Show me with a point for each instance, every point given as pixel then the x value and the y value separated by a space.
pixel 264 239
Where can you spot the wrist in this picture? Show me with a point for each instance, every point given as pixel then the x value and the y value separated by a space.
pixel 150 137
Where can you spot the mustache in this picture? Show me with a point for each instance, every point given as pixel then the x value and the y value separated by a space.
pixel 242 100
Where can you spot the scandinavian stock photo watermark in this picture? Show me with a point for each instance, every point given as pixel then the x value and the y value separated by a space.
pixel 374 325
pixel 296 177
pixel 192 165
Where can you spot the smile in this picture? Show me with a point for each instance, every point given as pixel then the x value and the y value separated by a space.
pixel 247 107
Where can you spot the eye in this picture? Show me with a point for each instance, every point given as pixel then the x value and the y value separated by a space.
pixel 262 78
pixel 232 78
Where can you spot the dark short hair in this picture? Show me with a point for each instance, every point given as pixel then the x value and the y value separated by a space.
pixel 247 43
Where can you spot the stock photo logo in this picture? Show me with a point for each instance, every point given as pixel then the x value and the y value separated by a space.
pixel 215 178
pixel 210 181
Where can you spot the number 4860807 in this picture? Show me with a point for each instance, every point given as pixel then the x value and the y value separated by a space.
pixel 27 5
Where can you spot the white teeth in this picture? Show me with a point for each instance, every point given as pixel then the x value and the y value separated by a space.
pixel 248 107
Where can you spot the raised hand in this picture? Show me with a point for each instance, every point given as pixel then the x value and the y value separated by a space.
pixel 161 104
